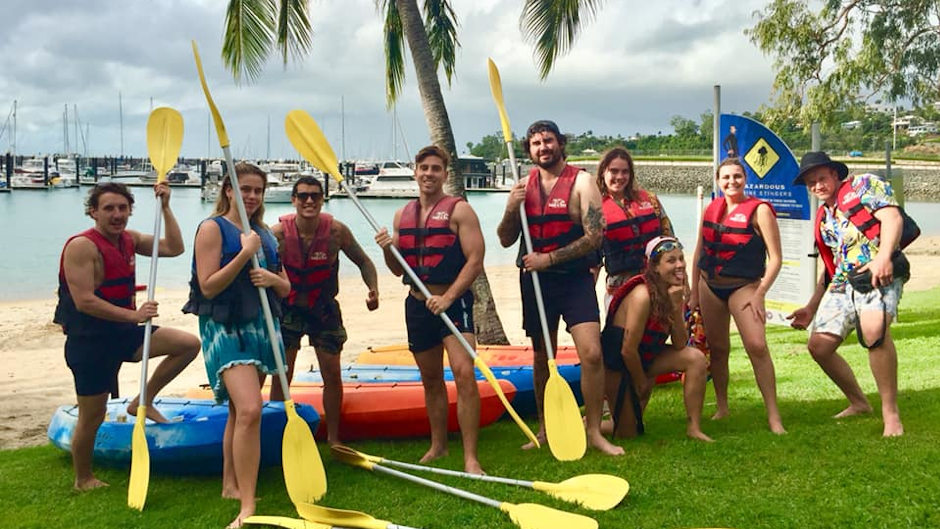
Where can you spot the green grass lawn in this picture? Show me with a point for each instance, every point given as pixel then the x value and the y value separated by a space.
pixel 824 473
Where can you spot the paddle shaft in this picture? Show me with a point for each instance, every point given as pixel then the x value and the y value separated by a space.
pixel 439 486
pixel 457 473
pixel 148 327
pixel 262 291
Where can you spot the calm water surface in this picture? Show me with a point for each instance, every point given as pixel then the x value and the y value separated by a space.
pixel 36 224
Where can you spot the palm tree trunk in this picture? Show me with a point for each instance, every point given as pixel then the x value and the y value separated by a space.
pixel 488 325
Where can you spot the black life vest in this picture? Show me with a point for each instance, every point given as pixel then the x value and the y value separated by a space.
pixel 311 273
pixel 550 223
pixel 851 206
pixel 433 251
pixel 628 231
pixel 117 286
pixel 239 302
pixel 731 246
pixel 654 333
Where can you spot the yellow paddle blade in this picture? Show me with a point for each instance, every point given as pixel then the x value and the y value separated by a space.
pixel 563 425
pixel 283 521
pixel 354 457
pixel 140 463
pixel 535 516
pixel 216 117
pixel 339 517
pixel 305 135
pixel 164 139
pixel 598 492
pixel 496 87
pixel 304 474
pixel 485 369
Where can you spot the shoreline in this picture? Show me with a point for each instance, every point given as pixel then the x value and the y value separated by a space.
pixel 35 379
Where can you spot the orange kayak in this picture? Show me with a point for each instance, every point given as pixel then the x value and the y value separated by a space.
pixel 493 355
pixel 387 410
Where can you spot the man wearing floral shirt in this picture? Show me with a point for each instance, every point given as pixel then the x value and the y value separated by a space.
pixel 837 306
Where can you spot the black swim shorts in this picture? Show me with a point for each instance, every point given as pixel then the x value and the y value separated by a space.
pixel 568 296
pixel 96 359
pixel 425 330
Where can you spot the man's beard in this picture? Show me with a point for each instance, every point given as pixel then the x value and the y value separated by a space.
pixel 557 156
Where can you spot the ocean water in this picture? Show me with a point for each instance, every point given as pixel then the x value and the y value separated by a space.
pixel 34 226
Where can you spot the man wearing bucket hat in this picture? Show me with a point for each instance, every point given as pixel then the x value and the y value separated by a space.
pixel 840 303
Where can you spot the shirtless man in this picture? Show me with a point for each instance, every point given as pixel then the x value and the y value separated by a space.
pixel 309 242
pixel 439 236
pixel 98 314
pixel 566 224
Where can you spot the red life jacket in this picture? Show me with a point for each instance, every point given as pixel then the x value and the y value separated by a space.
pixel 550 223
pixel 433 251
pixel 117 286
pixel 654 334
pixel 311 273
pixel 731 246
pixel 628 231
pixel 851 206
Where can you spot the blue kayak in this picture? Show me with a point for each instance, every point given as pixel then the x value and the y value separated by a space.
pixel 519 376
pixel 191 443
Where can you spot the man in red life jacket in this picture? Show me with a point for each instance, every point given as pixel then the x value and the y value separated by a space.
pixel 309 242
pixel 98 313
pixel 439 236
pixel 834 310
pixel 566 223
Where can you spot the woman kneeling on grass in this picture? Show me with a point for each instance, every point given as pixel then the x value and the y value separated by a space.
pixel 236 345
pixel 645 311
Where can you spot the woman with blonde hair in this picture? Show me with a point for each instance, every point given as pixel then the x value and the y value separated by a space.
pixel 236 345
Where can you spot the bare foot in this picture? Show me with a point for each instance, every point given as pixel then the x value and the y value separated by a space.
pixel 720 414
pixel 473 467
pixel 230 493
pixel 601 443
pixel 432 454
pixel 776 427
pixel 240 519
pixel 854 409
pixel 893 427
pixel 91 483
pixel 698 435
pixel 542 441
pixel 152 413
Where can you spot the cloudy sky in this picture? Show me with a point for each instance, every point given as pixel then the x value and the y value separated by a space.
pixel 631 70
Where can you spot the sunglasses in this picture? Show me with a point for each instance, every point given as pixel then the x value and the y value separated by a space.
pixel 665 246
pixel 303 196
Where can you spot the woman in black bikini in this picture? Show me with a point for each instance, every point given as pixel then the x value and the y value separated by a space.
pixel 738 257
pixel 644 312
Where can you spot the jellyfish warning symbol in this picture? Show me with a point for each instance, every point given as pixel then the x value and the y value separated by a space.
pixel 761 158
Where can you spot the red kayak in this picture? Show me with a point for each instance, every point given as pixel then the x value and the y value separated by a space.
pixel 387 410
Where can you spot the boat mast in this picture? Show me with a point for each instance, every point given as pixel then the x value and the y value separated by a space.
pixel 75 119
pixel 342 113
pixel 121 116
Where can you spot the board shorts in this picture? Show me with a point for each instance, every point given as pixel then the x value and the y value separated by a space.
pixel 427 330
pixel 322 324
pixel 96 359
pixel 839 309
pixel 569 296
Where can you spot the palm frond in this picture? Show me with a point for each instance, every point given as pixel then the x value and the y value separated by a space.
pixel 293 29
pixel 394 50
pixel 248 38
pixel 553 26
pixel 441 24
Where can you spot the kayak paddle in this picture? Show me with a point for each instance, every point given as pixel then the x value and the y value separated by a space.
pixel 525 515
pixel 304 475
pixel 599 492
pixel 563 426
pixel 283 521
pixel 164 139
pixel 308 139
pixel 343 517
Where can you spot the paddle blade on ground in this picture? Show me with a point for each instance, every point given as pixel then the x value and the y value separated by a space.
pixel 164 139
pixel 563 424
pixel 496 88
pixel 340 517
pixel 488 374
pixel 535 516
pixel 140 463
pixel 304 474
pixel 283 521
pixel 305 135
pixel 598 492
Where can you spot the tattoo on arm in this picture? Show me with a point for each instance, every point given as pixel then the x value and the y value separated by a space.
pixel 593 234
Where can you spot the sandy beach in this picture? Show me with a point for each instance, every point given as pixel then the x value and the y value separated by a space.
pixel 35 380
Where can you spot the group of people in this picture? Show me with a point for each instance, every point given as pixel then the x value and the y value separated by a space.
pixel 576 223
